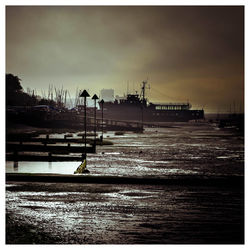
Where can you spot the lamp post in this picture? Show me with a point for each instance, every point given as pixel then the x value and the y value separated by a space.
pixel 85 94
pixel 102 102
pixel 95 98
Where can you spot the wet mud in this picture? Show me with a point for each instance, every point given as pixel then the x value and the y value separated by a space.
pixel 95 213
pixel 60 213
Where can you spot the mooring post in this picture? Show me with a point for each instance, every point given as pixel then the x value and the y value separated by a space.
pixel 47 138
pixel 15 165
pixel 50 156
pixel 15 154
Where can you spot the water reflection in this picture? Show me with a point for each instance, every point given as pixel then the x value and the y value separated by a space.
pixel 42 167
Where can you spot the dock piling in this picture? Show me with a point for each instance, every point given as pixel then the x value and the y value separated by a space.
pixel 50 156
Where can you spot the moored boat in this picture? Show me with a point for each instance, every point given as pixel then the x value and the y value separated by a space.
pixel 135 107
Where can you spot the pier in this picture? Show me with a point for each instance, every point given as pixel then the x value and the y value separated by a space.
pixel 28 145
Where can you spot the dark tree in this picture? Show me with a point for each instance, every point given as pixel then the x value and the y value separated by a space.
pixel 15 96
pixel 14 92
pixel 13 84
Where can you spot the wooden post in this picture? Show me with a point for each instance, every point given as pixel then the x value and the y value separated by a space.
pixel 15 154
pixel 47 138
pixel 16 165
pixel 50 156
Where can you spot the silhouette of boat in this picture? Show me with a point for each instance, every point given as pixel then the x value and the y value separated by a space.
pixel 135 107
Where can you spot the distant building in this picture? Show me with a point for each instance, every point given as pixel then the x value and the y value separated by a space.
pixel 118 98
pixel 107 95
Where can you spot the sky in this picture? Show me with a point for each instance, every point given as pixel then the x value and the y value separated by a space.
pixel 187 53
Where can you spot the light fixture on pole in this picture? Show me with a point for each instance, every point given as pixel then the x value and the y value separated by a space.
pixel 85 94
pixel 95 97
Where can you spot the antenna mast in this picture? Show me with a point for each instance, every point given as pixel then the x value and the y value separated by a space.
pixel 143 88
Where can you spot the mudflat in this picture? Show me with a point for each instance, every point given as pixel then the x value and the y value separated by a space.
pixel 79 213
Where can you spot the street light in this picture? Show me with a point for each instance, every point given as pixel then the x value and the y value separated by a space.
pixel 85 94
pixel 95 98
pixel 102 102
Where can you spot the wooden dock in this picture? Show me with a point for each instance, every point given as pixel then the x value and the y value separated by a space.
pixel 43 158
pixel 54 149
pixel 28 148
pixel 51 140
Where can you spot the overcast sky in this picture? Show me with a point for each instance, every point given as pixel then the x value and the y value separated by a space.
pixel 188 53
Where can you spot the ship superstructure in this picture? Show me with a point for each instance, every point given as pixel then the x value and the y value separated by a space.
pixel 136 107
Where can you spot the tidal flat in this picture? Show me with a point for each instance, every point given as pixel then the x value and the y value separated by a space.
pixel 89 213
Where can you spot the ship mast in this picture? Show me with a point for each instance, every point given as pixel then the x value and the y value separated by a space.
pixel 143 92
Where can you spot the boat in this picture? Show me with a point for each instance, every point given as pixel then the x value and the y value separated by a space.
pixel 135 107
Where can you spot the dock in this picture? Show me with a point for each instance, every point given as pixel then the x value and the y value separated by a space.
pixel 29 148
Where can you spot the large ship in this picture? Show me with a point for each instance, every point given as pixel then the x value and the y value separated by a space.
pixel 136 107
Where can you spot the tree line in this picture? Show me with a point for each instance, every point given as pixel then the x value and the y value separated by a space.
pixel 15 95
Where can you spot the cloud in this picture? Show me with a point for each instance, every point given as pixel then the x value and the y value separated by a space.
pixel 179 48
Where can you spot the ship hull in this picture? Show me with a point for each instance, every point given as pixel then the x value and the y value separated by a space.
pixel 149 115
